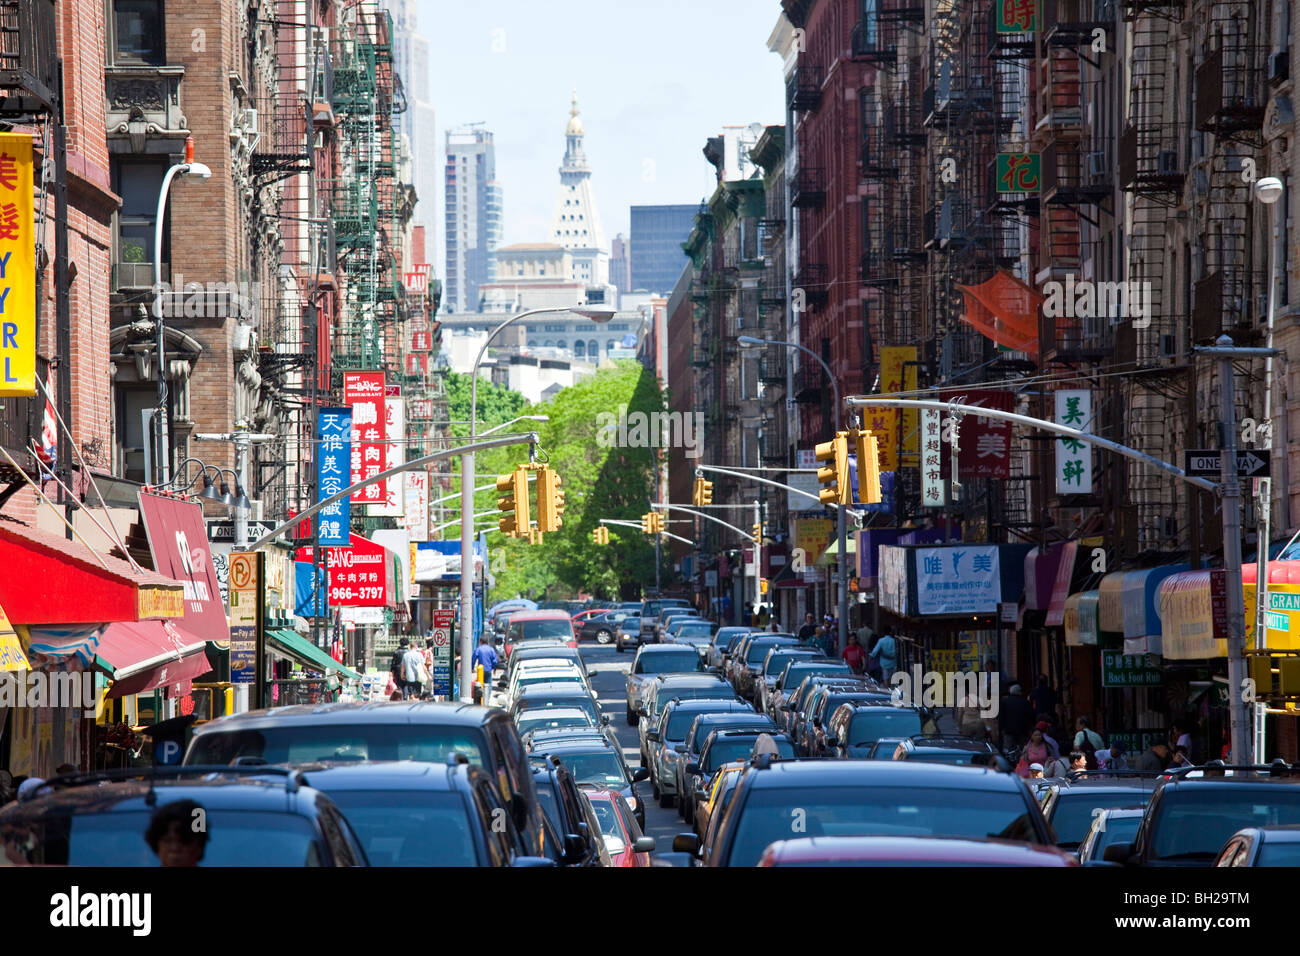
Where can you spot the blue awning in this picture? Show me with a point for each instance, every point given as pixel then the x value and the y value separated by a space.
pixel 1138 594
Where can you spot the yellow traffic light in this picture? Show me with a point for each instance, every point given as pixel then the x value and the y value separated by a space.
pixel 702 493
pixel 648 523
pixel 657 521
pixel 600 535
pixel 514 506
pixel 550 500
pixel 868 452
pixel 758 533
pixel 834 476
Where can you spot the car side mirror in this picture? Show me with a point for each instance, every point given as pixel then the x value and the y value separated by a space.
pixel 575 848
pixel 687 843
pixel 1118 853
pixel 604 720
pixel 640 773
pixel 701 795
pixel 693 768
pixel 652 736
pixel 644 845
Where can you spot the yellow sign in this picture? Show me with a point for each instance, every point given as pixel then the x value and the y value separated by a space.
pixel 1281 618
pixel 151 601
pixel 945 660
pixel 17 267
pixel 884 423
pixel 813 535
pixel 12 657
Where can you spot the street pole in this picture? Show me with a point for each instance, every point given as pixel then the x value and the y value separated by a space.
pixel 758 552
pixel 1238 711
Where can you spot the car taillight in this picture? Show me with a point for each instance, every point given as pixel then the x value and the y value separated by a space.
pixel 573 643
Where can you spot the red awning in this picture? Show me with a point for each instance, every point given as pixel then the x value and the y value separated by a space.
pixel 1279 572
pixel 1061 586
pixel 50 580
pixel 149 654
pixel 1005 310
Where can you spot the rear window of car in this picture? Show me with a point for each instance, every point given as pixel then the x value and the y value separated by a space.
pixel 534 720
pixel 1194 825
pixel 776 663
pixel 527 630
pixel 725 751
pixel 600 767
pixel 652 608
pixel 1072 811
pixel 410 827
pixel 799 671
pixel 679 723
pixel 868 727
pixel 757 651
pixel 305 743
pixel 684 661
pixel 722 691
pixel 582 702
pixel 234 838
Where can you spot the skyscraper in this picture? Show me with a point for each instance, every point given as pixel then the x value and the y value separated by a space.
pixel 656 247
pixel 473 216
pixel 575 224
pixel 411 58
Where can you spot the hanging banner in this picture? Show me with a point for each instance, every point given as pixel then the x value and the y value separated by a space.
pixel 17 267
pixel 885 423
pixel 364 392
pixel 1074 457
pixel 178 542
pixel 333 461
pixel 984 444
pixel 958 580
pixel 394 505
pixel 934 490
pixel 360 575
pixel 417 505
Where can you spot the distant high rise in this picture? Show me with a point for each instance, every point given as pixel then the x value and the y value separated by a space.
pixel 620 275
pixel 656 249
pixel 411 58
pixel 473 216
pixel 575 225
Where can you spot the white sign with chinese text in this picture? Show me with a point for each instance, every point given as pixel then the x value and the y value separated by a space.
pixel 394 505
pixel 934 490
pixel 1074 457
pixel 963 580
pixel 417 505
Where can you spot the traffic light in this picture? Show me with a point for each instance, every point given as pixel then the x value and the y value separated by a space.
pixel 550 500
pixel 514 519
pixel 865 447
pixel 702 493
pixel 758 533
pixel 834 476
pixel 600 535
pixel 657 522
pixel 648 523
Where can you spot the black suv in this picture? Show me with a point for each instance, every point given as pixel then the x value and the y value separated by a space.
pixel 570 821
pixel 423 731
pixel 1190 818
pixel 250 816
pixel 1070 805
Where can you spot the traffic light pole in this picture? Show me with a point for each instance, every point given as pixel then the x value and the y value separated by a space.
pixel 758 552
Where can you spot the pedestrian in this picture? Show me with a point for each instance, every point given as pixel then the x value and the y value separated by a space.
pixel 971 721
pixel 1154 759
pixel 854 655
pixel 1078 761
pixel 1180 759
pixel 1182 737
pixel 397 665
pixel 486 655
pixel 1056 767
pixel 886 652
pixel 1042 698
pixel 412 665
pixel 1046 728
pixel 774 628
pixel 1036 771
pixel 1113 759
pixel 873 664
pixel 1089 741
pixel 765 744
pixel 809 628
pixel 1035 751
pixel 1014 717
pixel 173 835
pixel 764 616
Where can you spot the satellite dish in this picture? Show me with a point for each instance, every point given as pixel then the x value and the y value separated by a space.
pixel 755 130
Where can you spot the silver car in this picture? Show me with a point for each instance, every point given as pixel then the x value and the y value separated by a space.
pixel 652 660
pixel 670 733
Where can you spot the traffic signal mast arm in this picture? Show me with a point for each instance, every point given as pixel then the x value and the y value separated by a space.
pixel 639 527
pixel 708 517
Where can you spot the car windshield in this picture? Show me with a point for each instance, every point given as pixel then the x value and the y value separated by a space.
pixel 722 691
pixel 684 661
pixel 552 677
pixel 1073 811
pixel 600 767
pixel 776 663
pixel 234 838
pixel 726 750
pixel 877 811
pixel 546 797
pixel 652 608
pixel 1194 824
pixel 410 827
pixel 541 721
pixel 611 828
pixel 870 726
pixel 527 630
pixel 308 743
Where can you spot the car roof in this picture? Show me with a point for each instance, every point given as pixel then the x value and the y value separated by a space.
pixel 956 849
pixel 553 689
pixel 243 792
pixel 674 681
pixel 355 712
pixel 554 713
pixel 549 614
pixel 580 745
pixel 883 773
pixel 559 650
pixel 648 650
pixel 387 775
pixel 710 705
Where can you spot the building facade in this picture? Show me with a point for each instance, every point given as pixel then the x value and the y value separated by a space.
pixel 472 216
pixel 655 246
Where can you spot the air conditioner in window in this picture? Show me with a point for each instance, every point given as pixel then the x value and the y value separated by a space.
pixel 1167 162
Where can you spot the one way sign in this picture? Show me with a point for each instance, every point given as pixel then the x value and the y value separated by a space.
pixel 1208 463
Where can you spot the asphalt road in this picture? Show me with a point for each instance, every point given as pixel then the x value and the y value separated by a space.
pixel 610 683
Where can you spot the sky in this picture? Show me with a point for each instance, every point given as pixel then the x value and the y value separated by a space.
pixel 655 79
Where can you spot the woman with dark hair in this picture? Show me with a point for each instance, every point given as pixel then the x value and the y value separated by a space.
pixel 178 833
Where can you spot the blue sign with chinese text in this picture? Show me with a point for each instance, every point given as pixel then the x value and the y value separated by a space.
pixel 334 471
pixel 958 580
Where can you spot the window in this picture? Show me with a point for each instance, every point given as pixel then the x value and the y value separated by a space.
pixel 593 349
pixel 138 184
pixel 138 32
pixel 580 349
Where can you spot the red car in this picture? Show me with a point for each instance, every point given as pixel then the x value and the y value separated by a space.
pixel 581 616
pixel 911 851
pixel 624 841
pixel 532 625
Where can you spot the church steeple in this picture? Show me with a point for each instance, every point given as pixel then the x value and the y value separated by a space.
pixel 574 157
pixel 576 222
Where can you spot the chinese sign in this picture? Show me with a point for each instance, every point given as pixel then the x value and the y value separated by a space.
pixel 1017 16
pixel 416 283
pixel 813 535
pixel 934 490
pixel 333 459
pixel 417 363
pixel 961 580
pixel 1128 670
pixel 395 454
pixel 17 267
pixel 364 391
pixel 1073 456
pixel 421 341
pixel 884 422
pixel 984 444
pixel 421 409
pixel 1018 172
pixel 360 575
pixel 417 505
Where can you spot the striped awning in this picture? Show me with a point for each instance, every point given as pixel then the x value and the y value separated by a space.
pixel 61 643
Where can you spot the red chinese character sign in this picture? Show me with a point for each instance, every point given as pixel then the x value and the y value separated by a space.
pixel 983 444
pixel 17 267
pixel 360 575
pixel 364 391
pixel 1019 172
pixel 1017 16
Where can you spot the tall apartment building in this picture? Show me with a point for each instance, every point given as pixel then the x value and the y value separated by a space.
pixel 620 265
pixel 416 120
pixel 655 245
pixel 472 216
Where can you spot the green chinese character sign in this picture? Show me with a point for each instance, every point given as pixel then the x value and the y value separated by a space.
pixel 1017 16
pixel 1073 455
pixel 1019 172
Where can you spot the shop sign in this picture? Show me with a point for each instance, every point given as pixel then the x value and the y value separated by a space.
pixel 934 490
pixel 394 504
pixel 1129 670
pixel 1074 456
pixel 334 456
pixel 17 267
pixel 178 541
pixel 960 580
pixel 364 393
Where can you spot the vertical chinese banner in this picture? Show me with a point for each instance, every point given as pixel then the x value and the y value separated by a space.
pixel 934 490
pixel 17 267
pixel 333 464
pixel 417 505
pixel 884 423
pixel 394 504
pixel 1074 457
pixel 364 392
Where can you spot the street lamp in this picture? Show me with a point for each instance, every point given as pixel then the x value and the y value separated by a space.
pixel 467 495
pixel 842 564
pixel 1268 191
pixel 196 171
